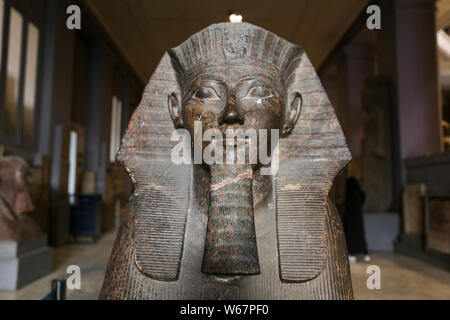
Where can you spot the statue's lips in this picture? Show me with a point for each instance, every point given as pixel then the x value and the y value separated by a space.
pixel 237 150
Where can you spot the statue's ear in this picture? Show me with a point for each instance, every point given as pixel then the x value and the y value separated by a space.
pixel 161 187
pixel 311 154
pixel 293 106
pixel 175 110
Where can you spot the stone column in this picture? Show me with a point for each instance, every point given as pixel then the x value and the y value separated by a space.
pixel 417 94
pixel 93 111
pixel 57 56
pixel 407 58
pixel 359 65
pixel 417 79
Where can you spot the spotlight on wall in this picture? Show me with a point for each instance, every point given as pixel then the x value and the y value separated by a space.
pixel 443 42
pixel 234 17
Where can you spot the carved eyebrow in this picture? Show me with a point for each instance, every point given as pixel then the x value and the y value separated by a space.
pixel 255 77
pixel 262 80
pixel 187 87
pixel 208 77
pixel 220 81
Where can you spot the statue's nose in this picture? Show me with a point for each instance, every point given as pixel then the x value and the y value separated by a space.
pixel 231 114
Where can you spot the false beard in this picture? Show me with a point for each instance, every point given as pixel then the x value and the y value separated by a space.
pixel 230 244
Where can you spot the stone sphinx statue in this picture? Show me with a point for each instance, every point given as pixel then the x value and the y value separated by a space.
pixel 243 230
pixel 24 255
pixel 15 201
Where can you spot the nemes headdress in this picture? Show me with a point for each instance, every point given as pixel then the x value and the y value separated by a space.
pixel 231 43
pixel 310 156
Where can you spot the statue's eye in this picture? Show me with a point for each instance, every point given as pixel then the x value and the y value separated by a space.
pixel 259 92
pixel 205 93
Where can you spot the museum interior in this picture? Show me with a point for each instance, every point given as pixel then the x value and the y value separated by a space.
pixel 73 72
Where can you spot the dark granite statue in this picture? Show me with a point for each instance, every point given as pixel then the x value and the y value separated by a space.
pixel 15 202
pixel 213 230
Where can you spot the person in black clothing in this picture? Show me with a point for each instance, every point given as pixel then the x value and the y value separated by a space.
pixel 353 220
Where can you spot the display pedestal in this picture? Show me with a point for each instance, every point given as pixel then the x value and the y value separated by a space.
pixel 86 218
pixel 23 262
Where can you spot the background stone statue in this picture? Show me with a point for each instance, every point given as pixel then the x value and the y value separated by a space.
pixel 24 255
pixel 221 231
pixel 15 202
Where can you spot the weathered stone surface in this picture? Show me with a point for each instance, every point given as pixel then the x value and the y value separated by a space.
pixel 24 255
pixel 414 209
pixel 16 223
pixel 377 158
pixel 438 233
pixel 221 230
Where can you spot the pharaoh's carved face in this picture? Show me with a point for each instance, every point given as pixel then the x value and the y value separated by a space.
pixel 237 96
pixel 246 97
pixel 233 97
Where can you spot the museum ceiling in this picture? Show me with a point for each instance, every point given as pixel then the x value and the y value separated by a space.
pixel 143 30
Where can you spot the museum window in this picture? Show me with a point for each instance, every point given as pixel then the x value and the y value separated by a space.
pixel 116 118
pixel 30 82
pixel 13 72
pixel 72 182
pixel 22 38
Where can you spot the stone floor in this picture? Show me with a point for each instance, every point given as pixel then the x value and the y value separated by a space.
pixel 91 258
pixel 402 277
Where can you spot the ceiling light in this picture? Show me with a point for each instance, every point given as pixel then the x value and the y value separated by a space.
pixel 235 18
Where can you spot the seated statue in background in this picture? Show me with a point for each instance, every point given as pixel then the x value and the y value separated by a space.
pixel 15 201
pixel 223 228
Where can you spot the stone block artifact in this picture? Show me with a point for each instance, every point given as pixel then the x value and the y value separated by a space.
pixel 15 201
pixel 220 230
pixel 24 255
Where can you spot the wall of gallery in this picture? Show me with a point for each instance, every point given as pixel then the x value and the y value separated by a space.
pixel 66 98
pixel 389 89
